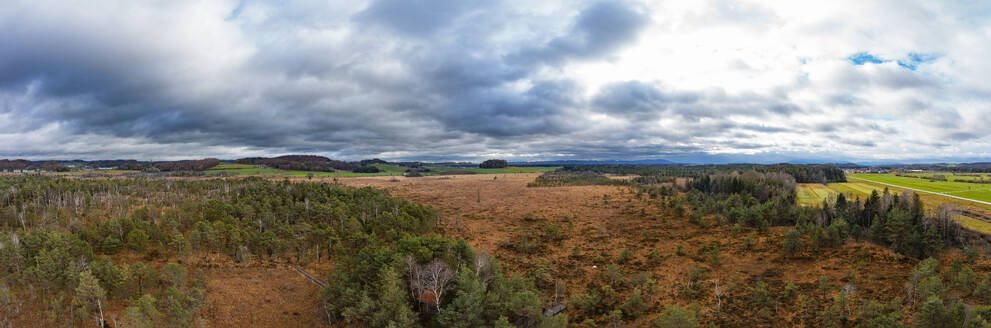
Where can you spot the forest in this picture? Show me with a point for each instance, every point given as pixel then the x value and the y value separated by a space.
pixel 302 163
pixel 65 239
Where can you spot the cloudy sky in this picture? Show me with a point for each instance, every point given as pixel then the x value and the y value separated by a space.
pixel 692 81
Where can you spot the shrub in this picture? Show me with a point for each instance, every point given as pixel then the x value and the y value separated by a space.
pixel 793 242
pixel 624 256
pixel 675 317
pixel 366 169
pixel 634 305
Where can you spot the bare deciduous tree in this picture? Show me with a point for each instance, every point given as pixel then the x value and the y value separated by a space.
pixel 483 267
pixel 437 275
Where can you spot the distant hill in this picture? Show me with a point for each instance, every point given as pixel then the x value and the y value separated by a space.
pixel 596 162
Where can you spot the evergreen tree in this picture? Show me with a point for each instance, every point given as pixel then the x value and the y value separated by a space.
pixel 174 274
pixel 467 305
pixel 792 243
pixel 137 240
pixel 142 313
pixel 392 307
pixel 90 297
pixel 932 314
pixel 675 317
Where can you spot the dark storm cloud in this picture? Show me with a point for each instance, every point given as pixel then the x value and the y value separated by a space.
pixel 643 99
pixel 412 17
pixel 639 97
pixel 599 30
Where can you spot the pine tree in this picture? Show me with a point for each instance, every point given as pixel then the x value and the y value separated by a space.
pixel 174 274
pixel 467 305
pixel 392 307
pixel 90 297
pixel 137 240
pixel 793 242
pixel 143 275
pixel 142 313
pixel 931 314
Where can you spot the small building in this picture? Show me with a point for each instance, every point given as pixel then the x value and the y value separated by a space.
pixel 428 299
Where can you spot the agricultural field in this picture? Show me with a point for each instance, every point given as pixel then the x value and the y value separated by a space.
pixel 812 194
pixel 951 176
pixel 974 191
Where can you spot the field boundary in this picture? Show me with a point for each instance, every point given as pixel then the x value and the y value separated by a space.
pixel 918 190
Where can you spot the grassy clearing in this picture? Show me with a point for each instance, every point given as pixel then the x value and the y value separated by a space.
pixel 856 189
pixel 813 193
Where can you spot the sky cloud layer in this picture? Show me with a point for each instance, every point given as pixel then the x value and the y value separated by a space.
pixel 693 81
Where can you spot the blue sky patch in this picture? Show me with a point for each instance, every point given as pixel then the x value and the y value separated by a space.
pixel 914 59
pixel 861 58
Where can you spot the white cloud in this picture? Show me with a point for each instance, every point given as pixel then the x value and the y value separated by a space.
pixel 514 78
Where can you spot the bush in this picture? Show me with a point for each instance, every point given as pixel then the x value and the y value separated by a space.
pixel 675 317
pixel 366 169
pixel 624 256
pixel 793 242
pixel 493 164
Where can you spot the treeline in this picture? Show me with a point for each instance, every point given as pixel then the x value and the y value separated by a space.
pixel 312 163
pixel 171 166
pixel 801 173
pixel 982 167
pixel 573 178
pixel 22 164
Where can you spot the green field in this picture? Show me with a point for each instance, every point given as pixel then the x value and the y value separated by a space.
pixel 952 176
pixel 975 191
pixel 812 194
pixel 386 170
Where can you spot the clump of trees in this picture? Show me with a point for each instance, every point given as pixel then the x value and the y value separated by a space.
pixel 570 178
pixel 366 169
pixel 299 163
pixel 493 164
